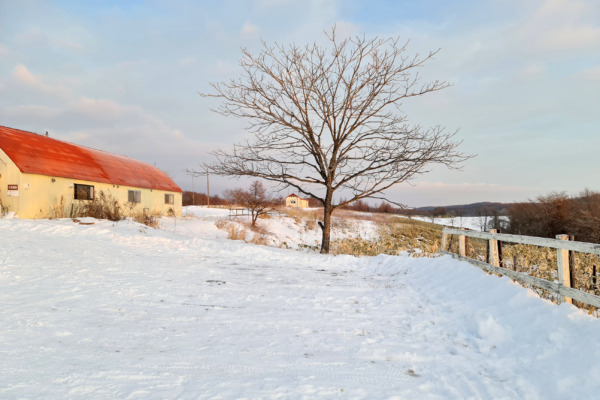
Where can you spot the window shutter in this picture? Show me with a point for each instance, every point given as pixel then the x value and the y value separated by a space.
pixel 91 193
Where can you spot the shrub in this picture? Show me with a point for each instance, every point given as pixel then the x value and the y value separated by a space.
pixel 103 206
pixel 558 213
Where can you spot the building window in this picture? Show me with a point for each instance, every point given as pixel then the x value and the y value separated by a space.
pixel 134 196
pixel 84 192
pixel 169 199
pixel 293 201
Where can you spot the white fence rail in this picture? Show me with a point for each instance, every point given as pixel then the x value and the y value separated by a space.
pixel 562 244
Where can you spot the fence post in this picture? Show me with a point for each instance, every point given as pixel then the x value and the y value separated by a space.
pixel 564 274
pixel 494 250
pixel 462 244
pixel 445 241
pixel 572 271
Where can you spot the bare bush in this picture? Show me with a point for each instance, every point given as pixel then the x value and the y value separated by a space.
pixel 255 198
pixel 102 206
pixel 558 213
pixel 236 232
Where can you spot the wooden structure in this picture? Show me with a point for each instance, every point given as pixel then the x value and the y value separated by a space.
pixel 239 212
pixel 562 244
pixel 293 200
pixel 37 173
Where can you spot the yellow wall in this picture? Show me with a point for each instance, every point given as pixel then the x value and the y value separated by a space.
pixel 299 202
pixel 9 175
pixel 41 195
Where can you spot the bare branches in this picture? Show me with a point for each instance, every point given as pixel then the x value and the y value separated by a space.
pixel 255 198
pixel 329 118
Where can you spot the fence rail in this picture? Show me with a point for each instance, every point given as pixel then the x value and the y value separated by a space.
pixel 561 244
pixel 581 247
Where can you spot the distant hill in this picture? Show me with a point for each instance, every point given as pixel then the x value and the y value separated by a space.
pixel 471 209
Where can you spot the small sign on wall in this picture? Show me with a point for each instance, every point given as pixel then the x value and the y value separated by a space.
pixel 13 190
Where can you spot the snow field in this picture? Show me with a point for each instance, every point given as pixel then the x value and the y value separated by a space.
pixel 200 222
pixel 109 311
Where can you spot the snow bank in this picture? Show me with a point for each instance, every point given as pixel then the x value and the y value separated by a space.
pixel 281 230
pixel 118 310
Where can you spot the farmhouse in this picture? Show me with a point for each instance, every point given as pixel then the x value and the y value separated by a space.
pixel 38 172
pixel 293 200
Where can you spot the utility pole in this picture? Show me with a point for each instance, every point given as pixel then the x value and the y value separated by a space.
pixel 207 190
pixel 193 192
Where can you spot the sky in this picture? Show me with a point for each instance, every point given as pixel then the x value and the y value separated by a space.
pixel 124 76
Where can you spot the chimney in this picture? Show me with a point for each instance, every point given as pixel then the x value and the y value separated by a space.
pixel 46 133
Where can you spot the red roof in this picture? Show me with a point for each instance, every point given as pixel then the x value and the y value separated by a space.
pixel 295 195
pixel 38 154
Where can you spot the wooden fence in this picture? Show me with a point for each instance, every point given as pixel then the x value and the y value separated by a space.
pixel 562 244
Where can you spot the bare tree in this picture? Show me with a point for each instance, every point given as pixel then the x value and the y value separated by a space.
pixel 326 120
pixel 452 216
pixel 483 215
pixel 431 215
pixel 460 213
pixel 255 198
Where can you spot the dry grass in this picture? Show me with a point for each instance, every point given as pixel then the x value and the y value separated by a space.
pixel 103 206
pixel 416 238
pixel 299 214
pixel 240 230
pixel 378 218
pixel 148 218
pixel 236 232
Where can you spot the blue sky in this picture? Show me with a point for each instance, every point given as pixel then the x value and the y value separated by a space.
pixel 124 76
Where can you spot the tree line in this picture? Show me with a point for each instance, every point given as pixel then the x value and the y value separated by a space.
pixel 558 213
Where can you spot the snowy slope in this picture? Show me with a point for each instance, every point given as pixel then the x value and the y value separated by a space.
pixel 200 222
pixel 109 311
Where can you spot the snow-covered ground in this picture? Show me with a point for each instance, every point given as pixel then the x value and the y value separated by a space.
pixel 121 311
pixel 473 223
pixel 200 222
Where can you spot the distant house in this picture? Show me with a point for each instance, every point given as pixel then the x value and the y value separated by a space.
pixel 293 200
pixel 37 172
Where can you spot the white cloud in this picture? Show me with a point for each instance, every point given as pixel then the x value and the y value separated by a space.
pixel 344 29
pixel 29 113
pixel 32 37
pixel 562 25
pixel 592 74
pixel 275 3
pixel 70 44
pixel 36 37
pixel 3 50
pixel 221 69
pixel 187 62
pixel 249 30
pixel 531 72
pixel 23 76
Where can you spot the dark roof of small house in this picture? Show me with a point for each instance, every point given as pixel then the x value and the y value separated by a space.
pixel 295 195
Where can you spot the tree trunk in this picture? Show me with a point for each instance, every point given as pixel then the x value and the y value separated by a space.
pixel 327 210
